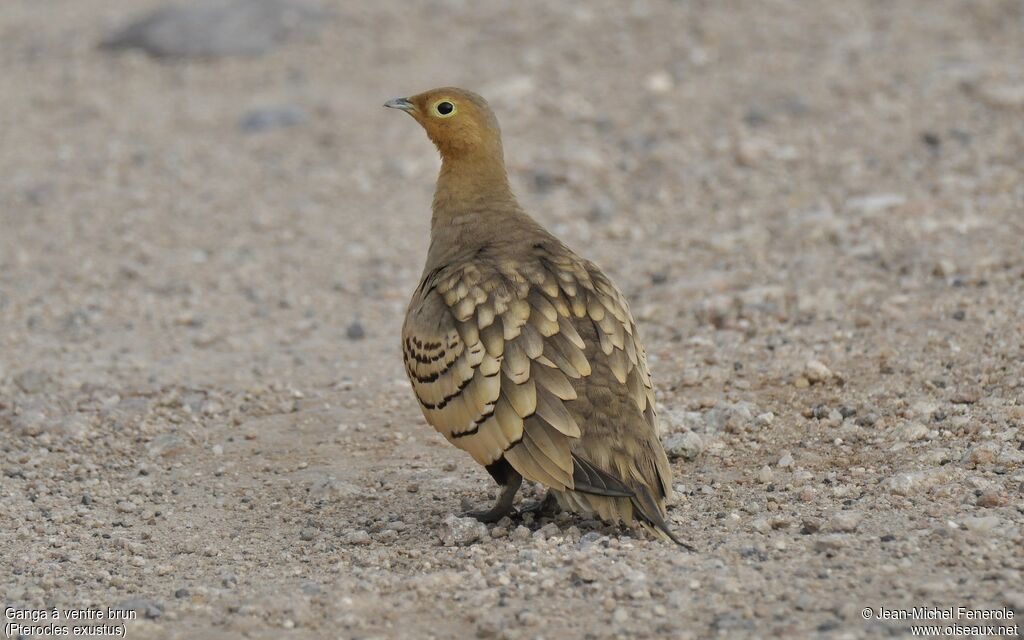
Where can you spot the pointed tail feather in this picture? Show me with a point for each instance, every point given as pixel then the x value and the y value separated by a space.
pixel 588 478
pixel 592 480
pixel 648 513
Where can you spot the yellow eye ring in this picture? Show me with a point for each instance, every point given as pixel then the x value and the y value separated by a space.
pixel 444 109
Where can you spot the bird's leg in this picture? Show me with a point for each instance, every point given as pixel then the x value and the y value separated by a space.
pixel 503 505
pixel 539 508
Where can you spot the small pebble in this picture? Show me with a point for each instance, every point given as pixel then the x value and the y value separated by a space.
pixel 355 331
pixel 463 531
pixel 686 445
pixel 991 499
pixel 981 524
pixel 359 537
pixel 810 525
pixel 846 521
pixel 911 431
pixel 659 82
pixel 816 372
pixel 265 119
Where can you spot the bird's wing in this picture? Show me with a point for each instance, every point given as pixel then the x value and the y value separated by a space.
pixel 604 306
pixel 621 471
pixel 622 446
pixel 490 353
pixel 493 352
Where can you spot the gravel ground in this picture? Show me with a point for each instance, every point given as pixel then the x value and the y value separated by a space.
pixel 816 210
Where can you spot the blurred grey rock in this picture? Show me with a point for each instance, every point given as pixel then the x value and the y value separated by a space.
pixel 311 588
pixel 214 28
pixel 142 607
pixel 816 371
pixel 357 536
pixel 678 421
pixel 846 521
pixel 828 543
pixel 905 484
pixel 911 431
pixel 659 82
pixel 982 454
pixel 868 419
pixel 875 203
pixel 602 210
pixel 325 487
pixel 257 120
pixel 687 445
pixel 167 444
pixel 462 531
pixel 770 299
pixel 810 525
pixel 32 380
pixel 944 268
pixel 692 377
pixel 730 416
pixel 1014 599
pixel 1002 95
pixel 30 423
pixel 923 410
pixel 355 331
pixel 981 524
pixel 717 310
pixel 75 426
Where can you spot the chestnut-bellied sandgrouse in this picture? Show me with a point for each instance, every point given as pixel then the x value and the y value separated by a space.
pixel 520 352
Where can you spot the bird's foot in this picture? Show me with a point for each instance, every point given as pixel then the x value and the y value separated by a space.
pixel 547 507
pixel 502 506
pixel 489 516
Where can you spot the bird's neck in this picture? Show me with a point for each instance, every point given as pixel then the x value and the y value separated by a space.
pixel 471 184
pixel 473 204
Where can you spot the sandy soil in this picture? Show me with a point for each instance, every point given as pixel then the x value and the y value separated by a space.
pixel 816 210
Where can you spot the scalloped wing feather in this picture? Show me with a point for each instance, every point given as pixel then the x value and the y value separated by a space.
pixel 504 356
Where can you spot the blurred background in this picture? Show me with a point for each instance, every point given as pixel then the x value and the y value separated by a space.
pixel 227 164
pixel 209 230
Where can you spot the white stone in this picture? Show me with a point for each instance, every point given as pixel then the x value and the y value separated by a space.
pixel 686 445
pixel 981 524
pixel 659 82
pixel 462 531
pixel 816 371
pixel 911 431
pixel 846 521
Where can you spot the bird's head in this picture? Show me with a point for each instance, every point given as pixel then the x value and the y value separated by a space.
pixel 459 122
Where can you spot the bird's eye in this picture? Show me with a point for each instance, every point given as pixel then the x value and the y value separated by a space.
pixel 444 109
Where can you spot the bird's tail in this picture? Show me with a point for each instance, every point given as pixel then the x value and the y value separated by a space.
pixel 649 514
pixel 600 492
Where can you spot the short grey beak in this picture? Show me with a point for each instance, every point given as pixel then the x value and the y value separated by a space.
pixel 400 103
